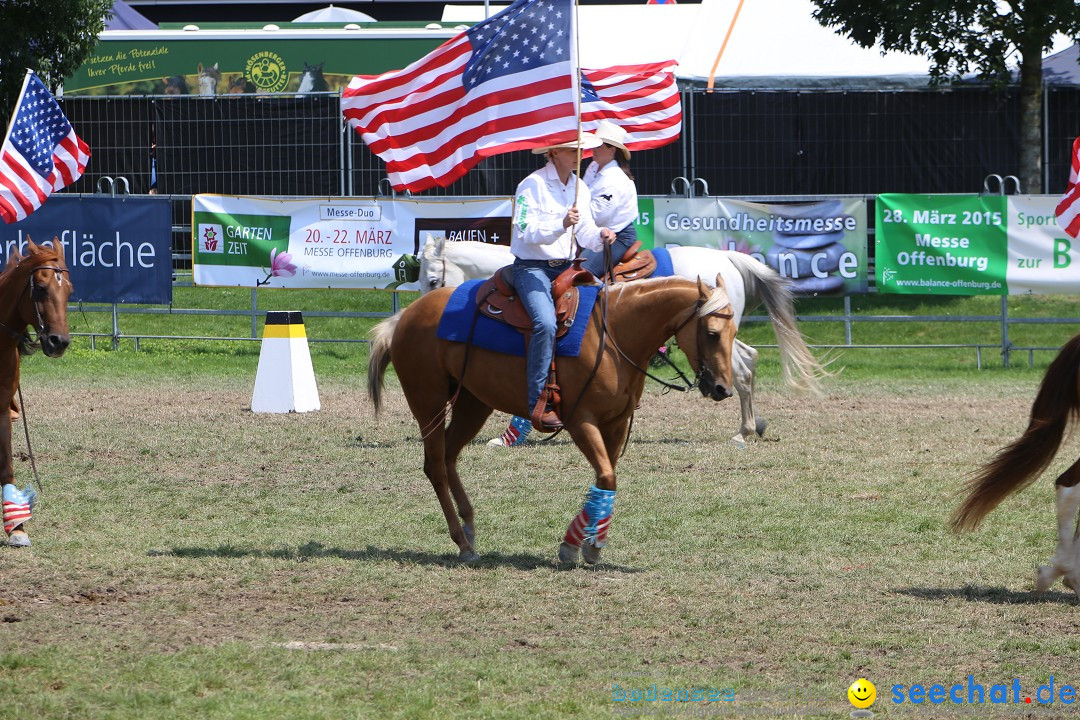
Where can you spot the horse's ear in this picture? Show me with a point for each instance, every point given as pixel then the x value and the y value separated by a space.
pixel 31 246
pixel 704 291
pixel 58 247
pixel 720 282
pixel 14 258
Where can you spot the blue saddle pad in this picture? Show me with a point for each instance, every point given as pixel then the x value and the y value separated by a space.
pixel 664 267
pixel 490 334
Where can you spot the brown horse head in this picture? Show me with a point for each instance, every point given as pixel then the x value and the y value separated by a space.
pixel 35 289
pixel 707 340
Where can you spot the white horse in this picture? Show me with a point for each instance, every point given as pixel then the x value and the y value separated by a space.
pixel 748 283
pixel 209 77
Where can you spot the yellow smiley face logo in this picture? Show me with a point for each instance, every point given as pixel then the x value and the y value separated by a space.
pixel 862 693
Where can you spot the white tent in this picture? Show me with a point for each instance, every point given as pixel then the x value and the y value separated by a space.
pixel 333 14
pixel 770 43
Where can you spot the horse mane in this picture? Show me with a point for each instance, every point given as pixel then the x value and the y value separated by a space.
pixel 36 255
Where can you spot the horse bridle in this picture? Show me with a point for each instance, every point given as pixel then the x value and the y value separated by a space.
pixel 702 367
pixel 39 322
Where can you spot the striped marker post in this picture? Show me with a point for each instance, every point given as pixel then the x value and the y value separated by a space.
pixel 286 380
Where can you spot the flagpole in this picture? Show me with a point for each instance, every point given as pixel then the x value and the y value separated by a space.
pixel 15 110
pixel 577 93
pixel 576 86
pixel 731 27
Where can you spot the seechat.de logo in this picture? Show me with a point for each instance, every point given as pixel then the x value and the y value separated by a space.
pixel 861 694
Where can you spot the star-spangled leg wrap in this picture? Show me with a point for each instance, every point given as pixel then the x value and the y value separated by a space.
pixel 17 506
pixel 592 522
pixel 516 432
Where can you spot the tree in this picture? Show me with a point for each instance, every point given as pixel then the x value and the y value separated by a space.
pixel 965 36
pixel 50 37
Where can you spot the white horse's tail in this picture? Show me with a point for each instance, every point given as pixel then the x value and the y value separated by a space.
pixel 379 357
pixel 764 285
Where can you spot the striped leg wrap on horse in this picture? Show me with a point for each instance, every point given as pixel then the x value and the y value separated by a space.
pixel 592 522
pixel 516 432
pixel 17 506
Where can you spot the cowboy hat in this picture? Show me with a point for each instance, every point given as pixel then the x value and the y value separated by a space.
pixel 612 134
pixel 588 142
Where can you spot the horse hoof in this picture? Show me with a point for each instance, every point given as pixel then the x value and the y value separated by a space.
pixel 590 553
pixel 738 442
pixel 1072 581
pixel 468 557
pixel 568 554
pixel 1045 578
pixel 18 539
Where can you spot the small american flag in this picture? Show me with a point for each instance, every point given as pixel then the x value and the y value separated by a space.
pixel 41 152
pixel 643 99
pixel 1068 210
pixel 505 84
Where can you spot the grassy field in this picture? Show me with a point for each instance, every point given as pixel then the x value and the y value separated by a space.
pixel 193 559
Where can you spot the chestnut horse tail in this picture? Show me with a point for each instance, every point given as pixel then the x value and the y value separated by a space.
pixel 763 284
pixel 379 358
pixel 1018 464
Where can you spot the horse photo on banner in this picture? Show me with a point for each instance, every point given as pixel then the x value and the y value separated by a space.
pixel 41 152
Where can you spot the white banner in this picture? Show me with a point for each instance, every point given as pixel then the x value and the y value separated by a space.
pixel 330 242
pixel 1042 258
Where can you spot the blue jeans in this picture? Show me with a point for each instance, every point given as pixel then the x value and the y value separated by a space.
pixel 532 280
pixel 594 260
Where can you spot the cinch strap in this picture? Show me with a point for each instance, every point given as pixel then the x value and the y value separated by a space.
pixel 17 506
pixel 592 522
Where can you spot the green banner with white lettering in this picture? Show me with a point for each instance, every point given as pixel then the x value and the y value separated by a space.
pixel 972 245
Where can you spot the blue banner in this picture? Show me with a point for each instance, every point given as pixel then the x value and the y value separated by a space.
pixel 118 249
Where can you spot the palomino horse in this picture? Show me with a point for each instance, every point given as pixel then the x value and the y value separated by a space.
pixel 1018 464
pixel 748 282
pixel 599 394
pixel 34 292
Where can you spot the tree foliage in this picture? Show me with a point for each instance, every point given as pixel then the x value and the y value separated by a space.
pixel 50 37
pixel 961 37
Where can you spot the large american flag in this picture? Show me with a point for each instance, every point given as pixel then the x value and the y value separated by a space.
pixel 504 84
pixel 1068 210
pixel 643 99
pixel 41 152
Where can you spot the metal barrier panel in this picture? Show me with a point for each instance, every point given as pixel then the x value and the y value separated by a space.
pixel 767 145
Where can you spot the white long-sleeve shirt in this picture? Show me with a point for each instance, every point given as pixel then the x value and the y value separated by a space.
pixel 540 204
pixel 614 195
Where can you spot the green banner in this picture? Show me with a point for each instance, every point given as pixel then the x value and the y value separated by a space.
pixel 218 62
pixel 239 240
pixel 942 244
pixel 644 225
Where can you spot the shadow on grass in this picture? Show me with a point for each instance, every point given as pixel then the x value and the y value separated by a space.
pixel 314 550
pixel 995 595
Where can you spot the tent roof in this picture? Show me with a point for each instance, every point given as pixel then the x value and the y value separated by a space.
pixel 333 14
pixel 773 43
pixel 125 17
pixel 1061 68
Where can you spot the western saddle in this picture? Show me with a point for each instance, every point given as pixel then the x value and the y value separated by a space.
pixel 497 298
